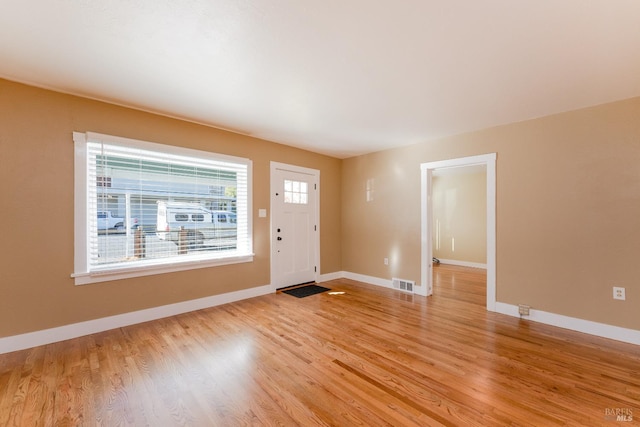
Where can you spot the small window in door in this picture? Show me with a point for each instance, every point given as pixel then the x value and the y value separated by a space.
pixel 296 192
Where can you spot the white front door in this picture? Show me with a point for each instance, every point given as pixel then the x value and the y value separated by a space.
pixel 294 225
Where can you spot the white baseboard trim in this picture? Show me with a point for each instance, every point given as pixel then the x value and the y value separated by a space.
pixel 330 276
pixel 47 336
pixel 603 330
pixel 463 263
pixel 386 283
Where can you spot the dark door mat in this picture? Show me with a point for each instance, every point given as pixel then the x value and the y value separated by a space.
pixel 305 291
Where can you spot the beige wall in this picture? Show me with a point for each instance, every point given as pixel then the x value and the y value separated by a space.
pixel 36 190
pixel 568 210
pixel 459 198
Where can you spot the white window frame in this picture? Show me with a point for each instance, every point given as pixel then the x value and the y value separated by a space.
pixel 84 274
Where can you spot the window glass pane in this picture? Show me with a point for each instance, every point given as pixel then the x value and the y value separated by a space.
pixel 296 192
pixel 149 204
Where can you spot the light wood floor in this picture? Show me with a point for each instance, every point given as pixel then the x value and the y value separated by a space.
pixel 370 357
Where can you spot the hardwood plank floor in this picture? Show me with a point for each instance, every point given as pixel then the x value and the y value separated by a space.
pixel 371 356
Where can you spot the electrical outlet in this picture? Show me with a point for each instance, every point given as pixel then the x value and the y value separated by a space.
pixel 386 261
pixel 523 309
pixel 618 293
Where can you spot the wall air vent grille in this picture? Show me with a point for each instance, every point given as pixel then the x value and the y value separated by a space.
pixel 403 285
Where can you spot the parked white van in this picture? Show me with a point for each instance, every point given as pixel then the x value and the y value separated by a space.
pixel 203 227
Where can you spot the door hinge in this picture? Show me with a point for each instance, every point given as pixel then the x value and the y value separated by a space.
pixel 315 228
pixel 315 269
pixel 315 186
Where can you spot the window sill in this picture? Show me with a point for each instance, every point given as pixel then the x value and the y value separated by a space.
pixel 144 268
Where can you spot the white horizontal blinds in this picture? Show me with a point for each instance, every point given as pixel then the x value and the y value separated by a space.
pixel 126 186
pixel 242 208
pixel 93 153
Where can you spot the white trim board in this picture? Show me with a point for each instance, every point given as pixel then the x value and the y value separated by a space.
pixel 48 336
pixel 385 283
pixel 330 276
pixel 426 214
pixel 602 330
pixel 463 263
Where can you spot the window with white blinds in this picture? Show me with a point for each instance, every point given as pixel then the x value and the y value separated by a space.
pixel 144 208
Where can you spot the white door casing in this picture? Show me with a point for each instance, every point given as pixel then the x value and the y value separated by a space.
pixel 489 160
pixel 295 243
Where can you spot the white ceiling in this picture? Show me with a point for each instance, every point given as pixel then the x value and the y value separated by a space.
pixel 337 77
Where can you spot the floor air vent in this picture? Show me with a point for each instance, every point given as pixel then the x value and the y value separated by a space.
pixel 403 285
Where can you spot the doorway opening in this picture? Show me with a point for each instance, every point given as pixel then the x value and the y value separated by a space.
pixel 427 232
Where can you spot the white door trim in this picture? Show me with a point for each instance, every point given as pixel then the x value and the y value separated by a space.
pixel 426 169
pixel 275 166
